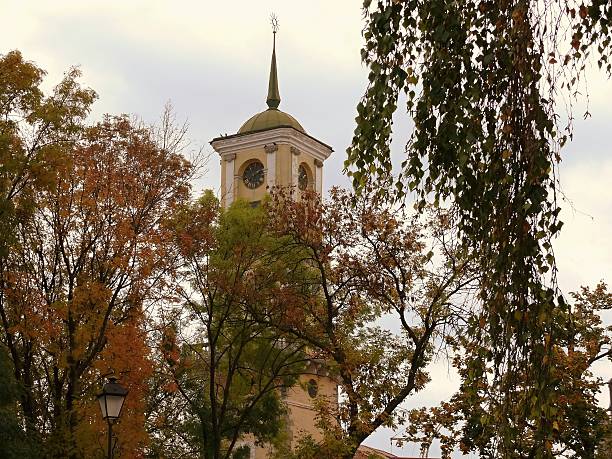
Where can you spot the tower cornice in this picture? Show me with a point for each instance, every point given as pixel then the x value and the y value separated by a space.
pixel 285 135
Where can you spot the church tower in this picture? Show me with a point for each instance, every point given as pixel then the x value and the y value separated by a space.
pixel 273 149
pixel 270 149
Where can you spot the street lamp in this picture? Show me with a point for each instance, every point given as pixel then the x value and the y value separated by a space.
pixel 111 401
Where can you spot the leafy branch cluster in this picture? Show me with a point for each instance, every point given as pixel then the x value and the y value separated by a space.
pixel 582 428
pixel 482 80
pixel 367 260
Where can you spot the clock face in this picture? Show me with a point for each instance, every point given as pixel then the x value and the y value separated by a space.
pixel 302 177
pixel 253 175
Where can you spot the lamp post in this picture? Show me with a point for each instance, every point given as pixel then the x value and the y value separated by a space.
pixel 111 401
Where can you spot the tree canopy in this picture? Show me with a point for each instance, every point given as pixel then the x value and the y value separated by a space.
pixel 362 261
pixel 483 80
pixel 84 254
pixel 110 264
pixel 226 368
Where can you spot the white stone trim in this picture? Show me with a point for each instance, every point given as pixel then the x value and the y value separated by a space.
pixel 271 164
pixel 230 161
pixel 295 164
pixel 300 405
pixel 290 136
pixel 318 173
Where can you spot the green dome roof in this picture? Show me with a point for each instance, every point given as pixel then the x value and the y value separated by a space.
pixel 270 119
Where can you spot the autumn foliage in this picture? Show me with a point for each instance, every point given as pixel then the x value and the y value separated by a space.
pixel 363 261
pixel 86 261
pixel 110 266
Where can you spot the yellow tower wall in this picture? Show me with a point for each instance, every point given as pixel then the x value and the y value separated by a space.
pixel 285 148
pixel 301 412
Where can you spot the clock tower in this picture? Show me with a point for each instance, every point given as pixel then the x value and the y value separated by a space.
pixel 270 149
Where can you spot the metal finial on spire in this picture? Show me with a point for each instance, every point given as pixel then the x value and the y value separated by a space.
pixel 274 22
pixel 273 100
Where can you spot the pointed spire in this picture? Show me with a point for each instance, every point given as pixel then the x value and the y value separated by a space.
pixel 273 99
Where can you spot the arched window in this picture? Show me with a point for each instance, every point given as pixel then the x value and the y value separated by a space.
pixel 313 388
pixel 304 177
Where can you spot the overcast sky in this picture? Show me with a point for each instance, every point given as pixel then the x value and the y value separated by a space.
pixel 211 60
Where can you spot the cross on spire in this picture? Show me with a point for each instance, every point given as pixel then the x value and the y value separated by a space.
pixel 273 99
